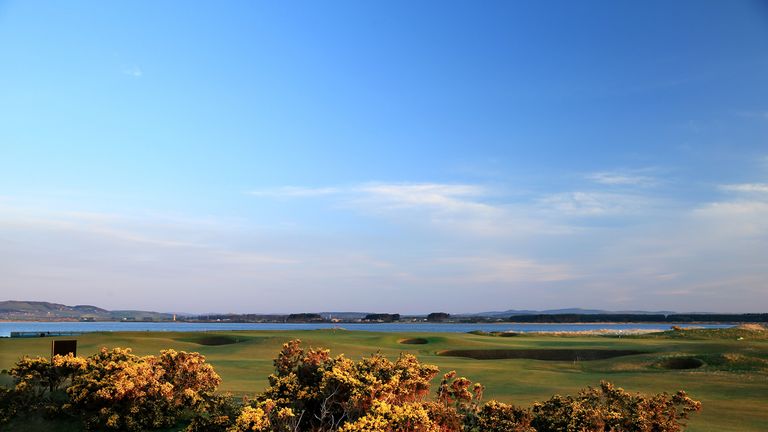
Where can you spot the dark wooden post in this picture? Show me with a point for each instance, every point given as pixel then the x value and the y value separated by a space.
pixel 63 347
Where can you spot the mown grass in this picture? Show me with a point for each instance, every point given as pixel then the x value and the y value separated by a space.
pixel 732 382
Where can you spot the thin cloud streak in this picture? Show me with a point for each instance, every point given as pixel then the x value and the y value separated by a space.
pixel 591 203
pixel 745 187
pixel 617 178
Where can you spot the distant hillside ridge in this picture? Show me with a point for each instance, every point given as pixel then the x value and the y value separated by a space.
pixel 37 306
pixel 14 310
pixel 641 318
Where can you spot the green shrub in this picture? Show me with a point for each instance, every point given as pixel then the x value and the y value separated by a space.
pixel 215 413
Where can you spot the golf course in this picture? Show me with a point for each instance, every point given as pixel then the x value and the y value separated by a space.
pixel 725 369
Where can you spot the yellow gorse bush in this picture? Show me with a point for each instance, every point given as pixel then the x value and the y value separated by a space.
pixel 386 417
pixel 265 417
pixel 331 391
pixel 313 391
pixel 118 390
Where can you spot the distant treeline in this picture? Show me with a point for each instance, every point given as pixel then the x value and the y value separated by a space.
pixel 639 318
pixel 535 318
pixel 438 317
pixel 304 317
pixel 382 317
pixel 256 318
pixel 238 318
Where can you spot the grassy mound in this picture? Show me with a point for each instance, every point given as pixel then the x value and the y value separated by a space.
pixel 748 332
pixel 540 354
pixel 735 362
pixel 494 333
pixel 414 341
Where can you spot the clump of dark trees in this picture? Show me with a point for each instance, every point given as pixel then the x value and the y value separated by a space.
pixel 310 390
pixel 381 317
pixel 438 316
pixel 304 317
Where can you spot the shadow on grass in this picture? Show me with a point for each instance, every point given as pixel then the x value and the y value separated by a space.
pixel 540 354
pixel 414 341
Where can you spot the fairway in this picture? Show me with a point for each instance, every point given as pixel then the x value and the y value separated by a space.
pixel 727 370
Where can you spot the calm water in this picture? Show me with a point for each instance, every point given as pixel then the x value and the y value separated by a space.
pixel 7 327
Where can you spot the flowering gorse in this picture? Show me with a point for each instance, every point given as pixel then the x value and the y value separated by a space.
pixel 312 391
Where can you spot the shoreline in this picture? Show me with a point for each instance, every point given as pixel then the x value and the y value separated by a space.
pixel 669 323
pixel 52 328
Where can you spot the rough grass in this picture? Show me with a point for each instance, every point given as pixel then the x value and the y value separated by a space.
pixel 495 333
pixel 740 333
pixel 732 384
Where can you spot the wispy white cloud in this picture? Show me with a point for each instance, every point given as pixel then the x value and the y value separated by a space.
pixel 742 218
pixel 470 209
pixel 691 258
pixel 745 187
pixel 404 193
pixel 589 203
pixel 438 198
pixel 123 261
pixel 175 265
pixel 428 240
pixel 455 209
pixel 508 269
pixel 620 178
pixel 444 197
pixel 180 234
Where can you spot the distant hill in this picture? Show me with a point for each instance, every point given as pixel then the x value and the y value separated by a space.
pixel 38 311
pixel 35 310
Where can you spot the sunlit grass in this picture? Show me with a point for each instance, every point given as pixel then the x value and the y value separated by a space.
pixel 731 383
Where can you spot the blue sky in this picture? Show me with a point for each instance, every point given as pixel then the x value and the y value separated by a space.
pixel 385 156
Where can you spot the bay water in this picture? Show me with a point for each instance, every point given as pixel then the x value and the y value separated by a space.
pixel 171 326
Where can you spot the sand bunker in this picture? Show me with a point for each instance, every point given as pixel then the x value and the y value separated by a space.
pixel 752 327
pixel 541 354
pixel 679 363
pixel 216 340
pixel 414 341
